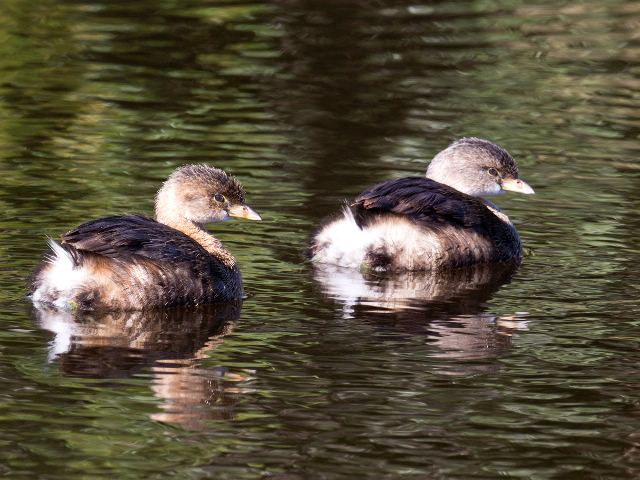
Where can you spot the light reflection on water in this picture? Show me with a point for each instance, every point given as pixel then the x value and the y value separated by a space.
pixel 447 309
pixel 166 344
pixel 527 374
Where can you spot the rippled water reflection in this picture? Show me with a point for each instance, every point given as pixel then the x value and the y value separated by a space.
pixel 521 374
pixel 166 344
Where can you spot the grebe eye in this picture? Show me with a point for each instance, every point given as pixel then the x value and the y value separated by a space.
pixel 219 197
pixel 492 171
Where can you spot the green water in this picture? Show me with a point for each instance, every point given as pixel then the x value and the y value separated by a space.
pixel 325 376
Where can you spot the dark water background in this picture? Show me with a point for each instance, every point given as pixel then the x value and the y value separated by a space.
pixel 332 377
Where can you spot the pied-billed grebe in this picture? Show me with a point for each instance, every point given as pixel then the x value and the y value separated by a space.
pixel 431 223
pixel 134 263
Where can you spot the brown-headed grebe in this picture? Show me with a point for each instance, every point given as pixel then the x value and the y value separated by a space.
pixel 431 223
pixel 133 263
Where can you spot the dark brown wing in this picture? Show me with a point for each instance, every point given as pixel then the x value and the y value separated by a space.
pixel 424 201
pixel 130 236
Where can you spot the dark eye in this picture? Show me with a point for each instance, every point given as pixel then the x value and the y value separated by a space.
pixel 493 172
pixel 219 197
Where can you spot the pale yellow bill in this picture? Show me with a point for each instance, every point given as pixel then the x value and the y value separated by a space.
pixel 243 211
pixel 517 185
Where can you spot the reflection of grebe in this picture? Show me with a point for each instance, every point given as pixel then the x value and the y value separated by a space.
pixel 458 291
pixel 433 223
pixel 132 262
pixel 169 344
pixel 447 308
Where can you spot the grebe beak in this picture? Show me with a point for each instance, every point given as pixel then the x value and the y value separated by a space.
pixel 517 185
pixel 242 211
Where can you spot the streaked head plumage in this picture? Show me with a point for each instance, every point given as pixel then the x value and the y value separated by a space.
pixel 477 167
pixel 210 178
pixel 202 194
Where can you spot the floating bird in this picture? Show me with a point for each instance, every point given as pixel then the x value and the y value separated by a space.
pixel 134 263
pixel 433 223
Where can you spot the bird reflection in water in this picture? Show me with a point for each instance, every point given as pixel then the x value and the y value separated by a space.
pixel 169 344
pixel 448 308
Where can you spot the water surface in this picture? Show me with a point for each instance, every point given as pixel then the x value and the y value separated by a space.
pixel 517 374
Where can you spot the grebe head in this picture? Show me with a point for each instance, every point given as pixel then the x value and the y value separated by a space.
pixel 477 167
pixel 201 194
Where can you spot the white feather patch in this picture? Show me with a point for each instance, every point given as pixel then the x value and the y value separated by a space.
pixel 60 280
pixel 345 244
pixel 342 242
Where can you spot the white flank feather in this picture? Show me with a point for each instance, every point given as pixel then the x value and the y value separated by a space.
pixel 60 279
pixel 344 243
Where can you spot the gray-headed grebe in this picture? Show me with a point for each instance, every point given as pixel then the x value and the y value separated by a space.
pixel 134 263
pixel 431 223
